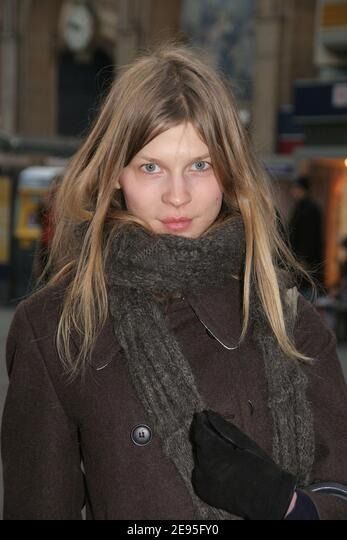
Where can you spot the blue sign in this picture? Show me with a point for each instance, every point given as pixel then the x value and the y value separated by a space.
pixel 320 98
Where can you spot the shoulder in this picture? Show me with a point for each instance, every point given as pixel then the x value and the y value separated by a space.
pixel 53 293
pixel 38 316
pixel 39 313
pixel 327 390
pixel 45 301
pixel 35 321
pixel 312 335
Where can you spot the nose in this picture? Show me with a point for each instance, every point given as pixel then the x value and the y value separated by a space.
pixel 176 192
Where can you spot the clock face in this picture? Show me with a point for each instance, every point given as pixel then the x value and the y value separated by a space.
pixel 78 26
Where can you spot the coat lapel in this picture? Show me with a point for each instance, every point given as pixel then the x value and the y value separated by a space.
pixel 219 309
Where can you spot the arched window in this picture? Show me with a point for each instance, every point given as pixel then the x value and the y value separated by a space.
pixel 81 85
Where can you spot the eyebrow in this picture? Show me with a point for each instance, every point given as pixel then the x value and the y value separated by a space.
pixel 156 160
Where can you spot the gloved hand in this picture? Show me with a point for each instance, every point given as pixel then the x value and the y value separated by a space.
pixel 231 472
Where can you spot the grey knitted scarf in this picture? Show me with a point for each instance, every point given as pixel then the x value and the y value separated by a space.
pixel 140 268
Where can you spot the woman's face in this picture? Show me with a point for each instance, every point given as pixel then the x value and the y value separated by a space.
pixel 171 185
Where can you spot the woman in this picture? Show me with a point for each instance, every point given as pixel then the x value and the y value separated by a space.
pixel 169 354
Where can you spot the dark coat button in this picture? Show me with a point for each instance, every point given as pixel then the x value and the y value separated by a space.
pixel 141 435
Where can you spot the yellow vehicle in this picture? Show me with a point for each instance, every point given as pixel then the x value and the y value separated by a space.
pixel 33 185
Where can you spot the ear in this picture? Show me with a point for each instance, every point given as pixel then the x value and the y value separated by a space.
pixel 117 184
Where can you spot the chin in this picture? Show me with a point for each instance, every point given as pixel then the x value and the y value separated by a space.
pixel 189 234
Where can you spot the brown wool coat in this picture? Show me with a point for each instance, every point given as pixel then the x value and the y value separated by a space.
pixel 48 424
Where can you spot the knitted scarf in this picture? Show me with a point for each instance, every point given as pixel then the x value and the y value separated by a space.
pixel 140 268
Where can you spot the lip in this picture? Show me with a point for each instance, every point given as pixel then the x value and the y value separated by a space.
pixel 177 224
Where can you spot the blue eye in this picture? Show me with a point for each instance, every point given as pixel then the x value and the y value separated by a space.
pixel 150 168
pixel 201 166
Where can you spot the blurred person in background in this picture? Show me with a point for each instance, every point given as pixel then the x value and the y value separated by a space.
pixel 168 353
pixel 306 234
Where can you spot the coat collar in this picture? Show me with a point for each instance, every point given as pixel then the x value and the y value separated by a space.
pixel 218 309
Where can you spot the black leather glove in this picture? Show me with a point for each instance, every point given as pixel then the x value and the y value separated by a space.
pixel 231 472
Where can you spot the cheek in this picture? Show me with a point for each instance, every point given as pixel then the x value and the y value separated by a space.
pixel 210 191
pixel 131 200
pixel 210 198
pixel 217 202
pixel 218 198
pixel 138 201
pixel 127 184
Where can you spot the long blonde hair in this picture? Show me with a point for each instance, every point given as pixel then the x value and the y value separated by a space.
pixel 159 90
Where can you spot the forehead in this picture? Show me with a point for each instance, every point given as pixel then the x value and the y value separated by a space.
pixel 180 140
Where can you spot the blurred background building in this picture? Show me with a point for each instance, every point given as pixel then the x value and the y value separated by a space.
pixel 286 61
